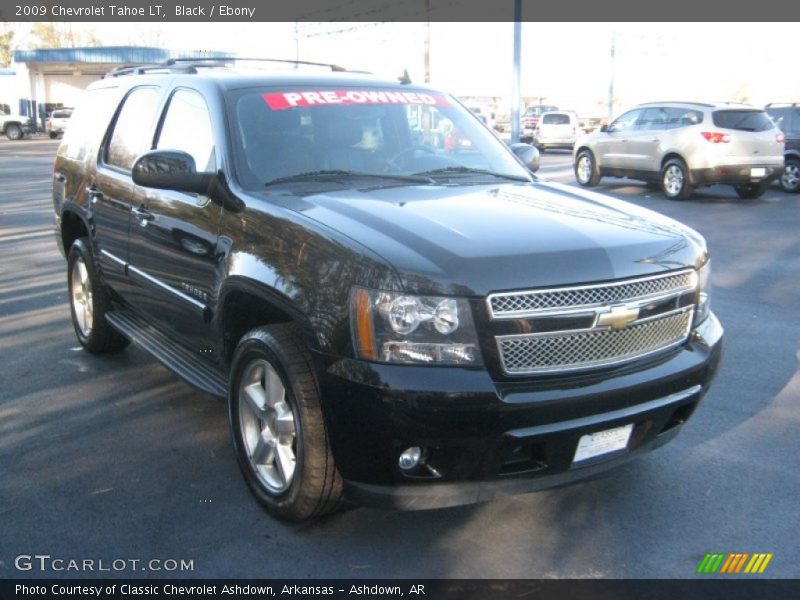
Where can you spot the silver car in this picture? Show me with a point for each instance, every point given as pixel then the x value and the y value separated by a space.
pixel 683 145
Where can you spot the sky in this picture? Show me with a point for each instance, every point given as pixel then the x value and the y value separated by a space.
pixel 567 64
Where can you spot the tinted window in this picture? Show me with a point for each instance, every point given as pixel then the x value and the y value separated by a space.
pixel 683 117
pixel 555 119
pixel 133 131
pixel 280 133
pixel 88 123
pixel 627 121
pixel 653 119
pixel 786 117
pixel 187 127
pixel 742 120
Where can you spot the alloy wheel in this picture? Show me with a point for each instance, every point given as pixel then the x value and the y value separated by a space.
pixel 268 426
pixel 82 302
pixel 673 180
pixel 791 176
pixel 584 168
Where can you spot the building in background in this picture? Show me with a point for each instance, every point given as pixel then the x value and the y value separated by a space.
pixel 40 81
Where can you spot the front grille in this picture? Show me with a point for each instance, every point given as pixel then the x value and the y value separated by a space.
pixel 531 303
pixel 569 350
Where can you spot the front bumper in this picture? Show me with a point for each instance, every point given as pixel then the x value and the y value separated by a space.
pixel 735 174
pixel 485 439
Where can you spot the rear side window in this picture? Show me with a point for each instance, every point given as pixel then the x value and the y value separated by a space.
pixel 555 119
pixel 88 123
pixel 742 120
pixel 187 127
pixel 133 131
pixel 787 118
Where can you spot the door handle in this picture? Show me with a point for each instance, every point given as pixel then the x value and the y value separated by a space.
pixel 656 140
pixel 143 214
pixel 94 194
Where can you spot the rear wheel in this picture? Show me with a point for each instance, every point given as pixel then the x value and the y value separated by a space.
pixel 751 191
pixel 790 181
pixel 14 132
pixel 53 135
pixel 278 429
pixel 586 171
pixel 675 180
pixel 89 302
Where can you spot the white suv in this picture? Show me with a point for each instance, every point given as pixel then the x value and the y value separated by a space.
pixel 683 145
pixel 557 129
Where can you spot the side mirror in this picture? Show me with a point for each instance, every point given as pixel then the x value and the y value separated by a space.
pixel 528 155
pixel 171 170
pixel 604 128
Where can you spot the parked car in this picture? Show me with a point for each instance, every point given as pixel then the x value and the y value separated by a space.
pixel 530 118
pixel 395 323
pixel 15 126
pixel 57 122
pixel 557 130
pixel 787 118
pixel 684 145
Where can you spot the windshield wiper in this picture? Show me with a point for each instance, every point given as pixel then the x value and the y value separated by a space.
pixel 471 171
pixel 335 174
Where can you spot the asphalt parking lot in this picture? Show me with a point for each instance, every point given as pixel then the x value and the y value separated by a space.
pixel 114 458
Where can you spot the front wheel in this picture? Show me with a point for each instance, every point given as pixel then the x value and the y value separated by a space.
pixel 675 180
pixel 790 181
pixel 278 429
pixel 751 191
pixel 89 302
pixel 14 132
pixel 586 171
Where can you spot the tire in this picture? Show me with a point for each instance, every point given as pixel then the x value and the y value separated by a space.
pixel 278 429
pixel 790 180
pixel 751 191
pixel 14 132
pixel 586 172
pixel 675 180
pixel 89 301
pixel 53 135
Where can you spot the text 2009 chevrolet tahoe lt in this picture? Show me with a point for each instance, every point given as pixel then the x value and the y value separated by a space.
pixel 398 313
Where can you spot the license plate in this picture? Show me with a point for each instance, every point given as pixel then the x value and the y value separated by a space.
pixel 602 442
pixel 758 172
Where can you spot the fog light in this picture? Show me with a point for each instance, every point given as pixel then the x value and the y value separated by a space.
pixel 410 458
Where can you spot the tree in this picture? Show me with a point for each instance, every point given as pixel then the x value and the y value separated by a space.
pixel 52 35
pixel 6 52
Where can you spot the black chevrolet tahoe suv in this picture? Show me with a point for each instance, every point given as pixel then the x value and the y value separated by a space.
pixel 394 319
pixel 787 118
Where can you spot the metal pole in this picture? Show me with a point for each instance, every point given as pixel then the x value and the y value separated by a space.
pixel 427 41
pixel 611 83
pixel 516 75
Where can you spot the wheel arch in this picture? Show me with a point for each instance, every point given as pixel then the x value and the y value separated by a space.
pixel 244 304
pixel 73 227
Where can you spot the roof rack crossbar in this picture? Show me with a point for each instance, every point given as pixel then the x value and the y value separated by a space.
pixel 230 59
pixel 147 68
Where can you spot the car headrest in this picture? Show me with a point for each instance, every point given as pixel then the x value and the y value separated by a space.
pixel 344 132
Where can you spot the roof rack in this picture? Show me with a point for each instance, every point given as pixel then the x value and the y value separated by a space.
pixel 189 65
pixel 771 104
pixel 225 60
pixel 678 102
pixel 141 69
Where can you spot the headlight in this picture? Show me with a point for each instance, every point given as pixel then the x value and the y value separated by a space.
pixel 703 293
pixel 394 327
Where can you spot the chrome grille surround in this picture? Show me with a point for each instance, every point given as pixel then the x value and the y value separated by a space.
pixel 616 335
pixel 585 298
pixel 587 348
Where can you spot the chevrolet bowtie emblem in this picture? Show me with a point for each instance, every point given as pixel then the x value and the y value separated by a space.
pixel 618 317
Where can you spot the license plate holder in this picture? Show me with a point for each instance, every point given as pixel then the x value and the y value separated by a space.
pixel 757 172
pixel 602 444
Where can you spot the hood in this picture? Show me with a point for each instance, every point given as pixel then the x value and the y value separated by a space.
pixel 473 240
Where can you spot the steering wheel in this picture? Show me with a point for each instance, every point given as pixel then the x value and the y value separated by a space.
pixel 395 163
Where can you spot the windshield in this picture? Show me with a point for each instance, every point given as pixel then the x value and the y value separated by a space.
pixel 281 135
